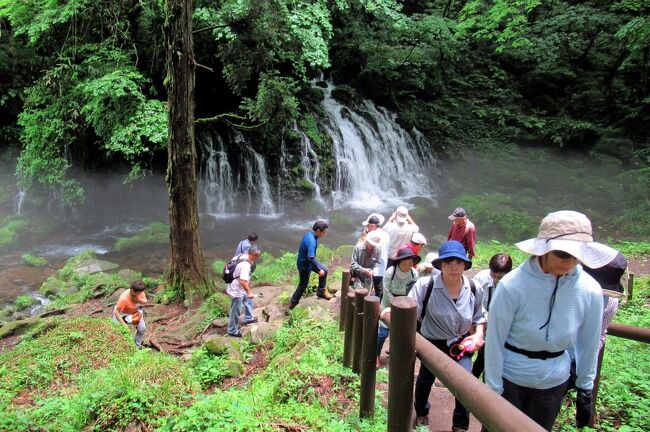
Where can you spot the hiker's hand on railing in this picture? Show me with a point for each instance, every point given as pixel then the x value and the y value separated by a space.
pixel 583 407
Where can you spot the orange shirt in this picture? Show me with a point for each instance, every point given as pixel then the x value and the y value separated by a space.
pixel 128 302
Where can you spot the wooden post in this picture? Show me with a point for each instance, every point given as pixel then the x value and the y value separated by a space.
pixel 401 364
pixel 357 333
pixel 349 327
pixel 345 285
pixel 368 354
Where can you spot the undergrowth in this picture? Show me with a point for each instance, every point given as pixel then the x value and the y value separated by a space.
pixel 624 391
pixel 304 387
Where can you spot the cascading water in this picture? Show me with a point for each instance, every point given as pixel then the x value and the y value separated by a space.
pixel 218 186
pixel 309 161
pixel 221 192
pixel 378 163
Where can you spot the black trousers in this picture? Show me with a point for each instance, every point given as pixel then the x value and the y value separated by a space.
pixel 478 364
pixel 424 383
pixel 541 405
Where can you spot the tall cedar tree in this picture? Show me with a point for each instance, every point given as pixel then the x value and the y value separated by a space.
pixel 187 270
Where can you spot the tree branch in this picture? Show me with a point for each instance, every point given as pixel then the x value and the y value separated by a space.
pixel 210 28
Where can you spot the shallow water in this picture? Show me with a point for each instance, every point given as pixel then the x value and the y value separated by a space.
pixel 529 180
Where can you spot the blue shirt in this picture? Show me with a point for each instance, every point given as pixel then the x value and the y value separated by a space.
pixel 242 247
pixel 521 305
pixel 307 250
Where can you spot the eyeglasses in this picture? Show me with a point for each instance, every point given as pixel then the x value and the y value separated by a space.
pixel 562 255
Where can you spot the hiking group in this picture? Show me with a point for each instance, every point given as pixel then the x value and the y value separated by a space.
pixel 547 317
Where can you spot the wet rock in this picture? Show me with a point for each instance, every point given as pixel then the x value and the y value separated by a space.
pixel 92 265
pixel 129 275
pixel 263 331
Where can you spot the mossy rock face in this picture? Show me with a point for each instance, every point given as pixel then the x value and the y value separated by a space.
pixel 218 346
pixel 89 265
pixel 306 186
pixel 23 302
pixel 53 287
pixel 129 275
pixel 34 261
pixel 17 327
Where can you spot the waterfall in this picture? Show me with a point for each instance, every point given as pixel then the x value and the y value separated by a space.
pixel 19 198
pixel 309 161
pixel 222 194
pixel 217 180
pixel 377 162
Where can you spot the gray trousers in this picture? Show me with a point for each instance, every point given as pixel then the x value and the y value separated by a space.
pixel 140 328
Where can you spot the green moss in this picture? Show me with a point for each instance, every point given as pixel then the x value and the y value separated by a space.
pixel 157 233
pixel 10 231
pixel 34 261
pixel 23 302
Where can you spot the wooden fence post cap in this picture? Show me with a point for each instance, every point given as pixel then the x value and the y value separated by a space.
pixel 351 294
pixel 372 299
pixel 402 303
pixel 361 292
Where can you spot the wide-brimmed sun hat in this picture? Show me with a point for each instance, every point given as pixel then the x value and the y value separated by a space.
pixel 569 231
pixel 452 249
pixel 406 252
pixel 401 214
pixel 373 238
pixel 374 218
pixel 418 238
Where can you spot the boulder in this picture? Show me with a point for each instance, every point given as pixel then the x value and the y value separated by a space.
pixel 89 265
pixel 129 275
pixel 263 331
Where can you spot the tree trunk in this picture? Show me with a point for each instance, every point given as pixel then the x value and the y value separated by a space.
pixel 187 270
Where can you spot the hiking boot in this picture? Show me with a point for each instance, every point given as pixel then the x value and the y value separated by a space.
pixel 253 321
pixel 324 294
pixel 422 421
pixel 237 335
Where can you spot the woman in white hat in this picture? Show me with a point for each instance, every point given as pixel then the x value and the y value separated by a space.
pixel 373 223
pixel 542 309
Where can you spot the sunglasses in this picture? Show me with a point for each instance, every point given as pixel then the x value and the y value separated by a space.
pixel 562 255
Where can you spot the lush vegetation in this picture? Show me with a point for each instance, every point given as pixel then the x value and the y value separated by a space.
pixel 82 83
pixel 625 375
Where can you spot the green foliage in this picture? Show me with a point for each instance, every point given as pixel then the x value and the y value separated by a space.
pixel 277 270
pixel 625 374
pixel 496 210
pixel 10 231
pixel 217 305
pixel 34 260
pixel 53 358
pixel 23 302
pixel 487 249
pixel 154 233
pixel 303 384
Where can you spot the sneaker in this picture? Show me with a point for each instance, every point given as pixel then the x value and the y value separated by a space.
pixel 253 321
pixel 324 294
pixel 422 421
pixel 237 335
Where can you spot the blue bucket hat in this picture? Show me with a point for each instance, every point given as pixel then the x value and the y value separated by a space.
pixel 452 249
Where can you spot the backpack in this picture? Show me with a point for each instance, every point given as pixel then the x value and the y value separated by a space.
pixel 228 274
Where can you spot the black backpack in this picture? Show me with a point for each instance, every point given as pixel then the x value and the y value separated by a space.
pixel 228 274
